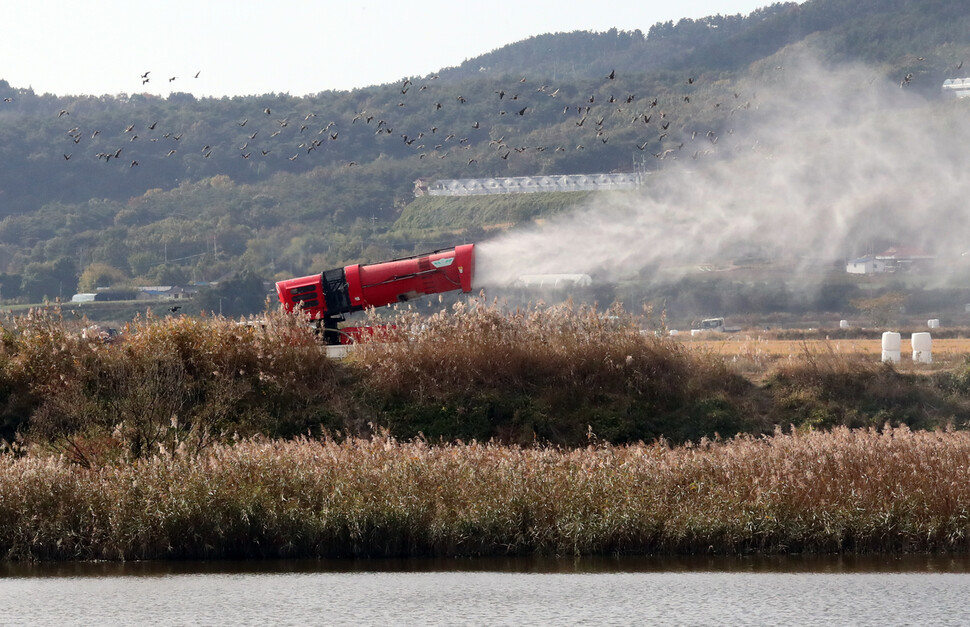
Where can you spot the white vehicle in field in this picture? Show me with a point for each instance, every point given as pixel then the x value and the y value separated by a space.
pixel 717 325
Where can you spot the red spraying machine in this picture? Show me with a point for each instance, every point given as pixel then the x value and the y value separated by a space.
pixel 325 298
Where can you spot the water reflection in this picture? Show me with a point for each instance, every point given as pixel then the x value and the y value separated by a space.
pixel 830 564
pixel 857 590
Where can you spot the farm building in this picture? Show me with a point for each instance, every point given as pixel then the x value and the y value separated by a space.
pixel 956 87
pixel 896 259
pixel 865 265
pixel 528 184
pixel 554 281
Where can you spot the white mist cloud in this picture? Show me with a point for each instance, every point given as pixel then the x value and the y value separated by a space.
pixel 823 162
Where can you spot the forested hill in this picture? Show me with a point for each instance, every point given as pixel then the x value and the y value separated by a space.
pixel 133 188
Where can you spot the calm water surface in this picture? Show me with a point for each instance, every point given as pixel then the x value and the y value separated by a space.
pixel 624 591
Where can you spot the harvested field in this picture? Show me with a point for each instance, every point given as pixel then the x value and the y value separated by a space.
pixel 764 351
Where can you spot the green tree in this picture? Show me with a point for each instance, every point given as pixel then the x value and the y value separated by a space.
pixel 243 295
pixel 99 275
pixel 881 310
pixel 50 280
pixel 10 286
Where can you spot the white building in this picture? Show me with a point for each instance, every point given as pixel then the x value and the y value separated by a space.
pixel 554 281
pixel 529 184
pixel 896 259
pixel 865 265
pixel 957 87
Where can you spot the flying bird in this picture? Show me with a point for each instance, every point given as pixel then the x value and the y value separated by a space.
pixel 611 75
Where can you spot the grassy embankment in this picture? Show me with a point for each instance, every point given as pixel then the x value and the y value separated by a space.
pixel 178 442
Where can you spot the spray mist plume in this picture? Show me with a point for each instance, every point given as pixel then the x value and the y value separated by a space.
pixel 825 162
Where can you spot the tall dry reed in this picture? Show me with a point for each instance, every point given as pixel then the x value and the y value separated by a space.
pixel 844 490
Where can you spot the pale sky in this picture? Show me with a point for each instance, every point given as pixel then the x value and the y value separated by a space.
pixel 249 47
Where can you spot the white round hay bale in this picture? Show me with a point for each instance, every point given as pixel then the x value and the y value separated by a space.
pixel 922 348
pixel 843 324
pixel 891 341
pixel 674 332
pixel 891 357
pixel 922 357
pixel 922 341
pixel 695 332
pixel 934 323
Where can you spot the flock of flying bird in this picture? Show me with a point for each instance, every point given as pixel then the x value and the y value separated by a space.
pixel 448 131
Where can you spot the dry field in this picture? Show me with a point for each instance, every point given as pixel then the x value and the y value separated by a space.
pixel 757 351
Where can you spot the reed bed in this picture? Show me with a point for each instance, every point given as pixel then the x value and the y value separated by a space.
pixel 887 490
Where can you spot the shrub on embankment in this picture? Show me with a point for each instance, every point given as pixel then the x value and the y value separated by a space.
pixel 548 375
pixel 552 374
pixel 544 375
pixel 831 389
pixel 849 491
pixel 168 382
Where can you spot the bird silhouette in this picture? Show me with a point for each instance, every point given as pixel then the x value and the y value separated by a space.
pixel 611 75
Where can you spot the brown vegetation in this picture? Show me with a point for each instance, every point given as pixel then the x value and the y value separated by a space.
pixel 843 490
pixel 529 376
pixel 208 438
